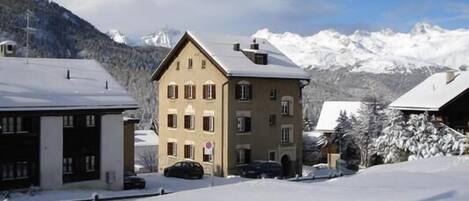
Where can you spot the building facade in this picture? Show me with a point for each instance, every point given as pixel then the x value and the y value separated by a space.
pixel 246 101
pixel 61 125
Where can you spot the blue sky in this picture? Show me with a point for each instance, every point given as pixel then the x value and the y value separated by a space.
pixel 137 17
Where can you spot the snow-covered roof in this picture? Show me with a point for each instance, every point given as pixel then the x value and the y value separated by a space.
pixel 42 84
pixel 433 93
pixel 235 63
pixel 330 112
pixel 8 42
pixel 146 138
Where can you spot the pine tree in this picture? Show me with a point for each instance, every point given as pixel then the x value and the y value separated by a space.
pixel 394 134
pixel 343 138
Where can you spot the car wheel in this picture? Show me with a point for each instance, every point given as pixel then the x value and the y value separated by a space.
pixel 200 176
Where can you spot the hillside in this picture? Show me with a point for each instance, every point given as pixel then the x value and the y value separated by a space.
pixel 61 34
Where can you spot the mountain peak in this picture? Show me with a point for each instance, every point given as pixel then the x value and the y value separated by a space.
pixel 424 27
pixel 117 36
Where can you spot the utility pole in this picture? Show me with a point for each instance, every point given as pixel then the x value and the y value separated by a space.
pixel 28 28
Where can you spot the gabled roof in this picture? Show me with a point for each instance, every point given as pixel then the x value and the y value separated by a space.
pixel 42 84
pixel 8 42
pixel 330 112
pixel 433 93
pixel 219 49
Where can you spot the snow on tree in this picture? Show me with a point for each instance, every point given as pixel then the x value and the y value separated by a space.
pixel 343 138
pixel 419 137
pixel 368 126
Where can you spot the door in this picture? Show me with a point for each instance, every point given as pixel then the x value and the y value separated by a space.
pixel 286 166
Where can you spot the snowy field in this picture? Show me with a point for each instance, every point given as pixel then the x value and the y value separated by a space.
pixel 442 178
pixel 155 181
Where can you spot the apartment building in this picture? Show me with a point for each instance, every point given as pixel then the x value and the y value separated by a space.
pixel 240 93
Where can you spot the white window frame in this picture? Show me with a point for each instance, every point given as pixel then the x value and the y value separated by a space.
pixel 243 91
pixel 242 156
pixel 68 165
pixel 174 149
pixel 287 134
pixel 90 121
pixel 172 88
pixel 287 106
pixel 68 121
pixel 90 163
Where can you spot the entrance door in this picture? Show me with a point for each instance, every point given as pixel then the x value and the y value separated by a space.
pixel 286 165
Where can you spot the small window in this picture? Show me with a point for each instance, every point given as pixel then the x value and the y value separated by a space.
pixel 22 170
pixel 243 124
pixel 272 156
pixel 272 119
pixel 172 91
pixel 273 94
pixel 189 122
pixel 260 59
pixel 171 149
pixel 243 156
pixel 243 92
pixel 8 171
pixel 209 92
pixel 68 121
pixel 206 157
pixel 285 108
pixel 189 65
pixel 90 121
pixel 286 135
pixel 204 63
pixel 68 165
pixel 90 163
pixel 9 48
pixel 177 65
pixel 189 91
pixel 172 121
pixel 8 125
pixel 189 151
pixel 209 123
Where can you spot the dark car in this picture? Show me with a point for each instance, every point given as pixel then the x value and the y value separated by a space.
pixel 185 169
pixel 132 181
pixel 262 169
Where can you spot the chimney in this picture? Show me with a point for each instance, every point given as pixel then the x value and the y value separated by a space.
pixel 450 75
pixel 236 47
pixel 254 45
pixel 68 74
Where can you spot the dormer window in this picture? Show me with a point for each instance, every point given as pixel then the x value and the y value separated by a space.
pixel 260 58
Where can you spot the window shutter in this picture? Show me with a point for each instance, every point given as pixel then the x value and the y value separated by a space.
pixel 213 91
pixel 193 92
pixel 168 91
pixel 170 121
pixel 170 149
pixel 238 91
pixel 247 156
pixel 176 91
pixel 249 91
pixel 247 124
pixel 186 91
pixel 204 92
pixel 186 121
pixel 206 123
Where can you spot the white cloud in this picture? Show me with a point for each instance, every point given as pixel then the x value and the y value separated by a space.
pixel 240 16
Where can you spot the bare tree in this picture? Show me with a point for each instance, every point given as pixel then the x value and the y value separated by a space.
pixel 149 160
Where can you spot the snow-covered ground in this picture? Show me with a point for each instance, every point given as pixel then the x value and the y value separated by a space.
pixel 441 178
pixel 155 181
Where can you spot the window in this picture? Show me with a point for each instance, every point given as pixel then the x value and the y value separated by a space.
pixel 8 125
pixel 209 123
pixel 273 94
pixel 272 156
pixel 260 59
pixel 171 149
pixel 243 91
pixel 177 65
pixel 286 135
pixel 90 121
pixel 172 91
pixel 209 92
pixel 204 64
pixel 9 48
pixel 90 163
pixel 206 157
pixel 189 91
pixel 172 121
pixel 286 108
pixel 244 124
pixel 8 171
pixel 189 64
pixel 189 122
pixel 68 165
pixel 272 119
pixel 189 151
pixel 68 121
pixel 243 156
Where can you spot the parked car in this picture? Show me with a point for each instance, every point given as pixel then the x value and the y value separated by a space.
pixel 132 181
pixel 185 169
pixel 262 169
pixel 324 171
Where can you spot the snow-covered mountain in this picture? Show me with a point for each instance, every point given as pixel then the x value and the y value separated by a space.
pixel 383 51
pixel 117 36
pixel 165 37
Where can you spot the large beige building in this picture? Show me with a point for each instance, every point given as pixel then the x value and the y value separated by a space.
pixel 243 95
